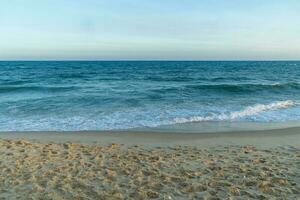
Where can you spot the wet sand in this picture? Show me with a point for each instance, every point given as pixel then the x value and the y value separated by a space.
pixel 123 165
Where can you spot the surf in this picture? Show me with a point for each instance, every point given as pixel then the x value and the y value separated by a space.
pixel 248 111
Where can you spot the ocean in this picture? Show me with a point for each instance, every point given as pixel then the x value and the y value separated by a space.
pixel 122 95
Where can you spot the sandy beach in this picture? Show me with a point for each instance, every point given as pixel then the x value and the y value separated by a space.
pixel 123 165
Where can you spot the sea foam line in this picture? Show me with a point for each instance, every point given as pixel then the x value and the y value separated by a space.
pixel 248 111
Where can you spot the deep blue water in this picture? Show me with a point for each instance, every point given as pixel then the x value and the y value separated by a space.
pixel 105 95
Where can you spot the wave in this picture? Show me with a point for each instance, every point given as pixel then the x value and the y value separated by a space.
pixel 248 111
pixel 170 79
pixel 239 78
pixel 228 88
pixel 245 87
pixel 47 115
pixel 6 89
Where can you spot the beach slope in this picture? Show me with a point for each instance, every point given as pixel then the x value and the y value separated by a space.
pixel 238 165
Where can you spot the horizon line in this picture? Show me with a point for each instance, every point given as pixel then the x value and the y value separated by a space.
pixel 149 60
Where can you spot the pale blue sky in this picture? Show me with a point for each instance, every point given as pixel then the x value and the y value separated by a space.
pixel 149 29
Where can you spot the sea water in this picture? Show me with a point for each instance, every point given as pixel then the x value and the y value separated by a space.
pixel 114 95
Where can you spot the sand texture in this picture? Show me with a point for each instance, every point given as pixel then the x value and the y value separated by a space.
pixel 52 170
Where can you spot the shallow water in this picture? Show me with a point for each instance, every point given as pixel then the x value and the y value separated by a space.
pixel 105 95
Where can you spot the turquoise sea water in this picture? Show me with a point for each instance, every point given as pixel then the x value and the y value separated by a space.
pixel 106 95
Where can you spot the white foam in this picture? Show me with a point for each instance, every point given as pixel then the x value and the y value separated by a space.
pixel 248 111
pixel 135 118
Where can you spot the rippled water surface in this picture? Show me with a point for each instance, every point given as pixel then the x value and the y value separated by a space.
pixel 104 95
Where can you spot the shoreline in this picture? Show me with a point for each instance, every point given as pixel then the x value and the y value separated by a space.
pixel 268 138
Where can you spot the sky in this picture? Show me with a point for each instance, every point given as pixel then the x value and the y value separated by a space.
pixel 150 30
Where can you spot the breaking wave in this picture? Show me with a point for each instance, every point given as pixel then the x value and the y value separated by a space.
pixel 248 111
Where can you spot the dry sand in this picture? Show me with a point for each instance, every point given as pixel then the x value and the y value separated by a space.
pixel 204 167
